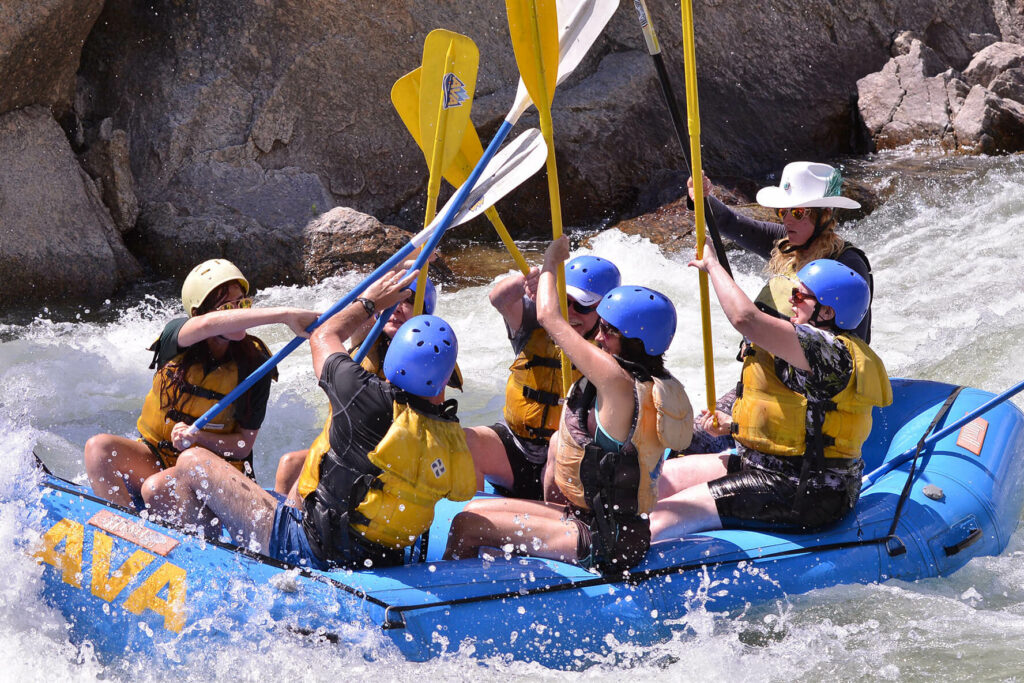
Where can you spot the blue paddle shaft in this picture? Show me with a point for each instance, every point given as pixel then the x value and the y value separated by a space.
pixel 364 347
pixel 871 477
pixel 446 221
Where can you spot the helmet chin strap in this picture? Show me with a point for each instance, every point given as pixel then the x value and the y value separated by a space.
pixel 592 331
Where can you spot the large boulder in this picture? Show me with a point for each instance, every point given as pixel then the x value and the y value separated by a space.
pixel 40 46
pixel 992 61
pixel 217 97
pixel 342 238
pixel 913 97
pixel 989 124
pixel 57 241
pixel 107 160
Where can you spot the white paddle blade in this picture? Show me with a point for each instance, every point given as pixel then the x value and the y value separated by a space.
pixel 580 22
pixel 509 169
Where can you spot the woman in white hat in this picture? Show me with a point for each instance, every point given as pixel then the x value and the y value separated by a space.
pixel 805 201
pixel 198 360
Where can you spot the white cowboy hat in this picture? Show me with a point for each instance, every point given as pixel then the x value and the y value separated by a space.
pixel 806 184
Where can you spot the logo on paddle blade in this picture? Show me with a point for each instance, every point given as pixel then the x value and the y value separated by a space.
pixel 454 91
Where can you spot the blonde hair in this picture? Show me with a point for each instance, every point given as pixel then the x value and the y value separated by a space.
pixel 786 260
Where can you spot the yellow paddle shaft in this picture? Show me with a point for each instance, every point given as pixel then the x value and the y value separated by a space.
pixel 693 123
pixel 434 180
pixel 543 104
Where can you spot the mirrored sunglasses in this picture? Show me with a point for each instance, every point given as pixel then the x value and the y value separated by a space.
pixel 244 302
pixel 797 213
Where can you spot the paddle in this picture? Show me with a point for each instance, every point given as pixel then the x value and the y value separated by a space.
pixel 693 121
pixel 506 171
pixel 533 25
pixel 654 48
pixel 405 96
pixel 871 477
pixel 513 165
pixel 579 31
pixel 582 23
pixel 449 72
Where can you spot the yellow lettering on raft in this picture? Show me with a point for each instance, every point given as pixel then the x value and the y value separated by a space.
pixel 146 596
pixel 68 562
pixel 108 585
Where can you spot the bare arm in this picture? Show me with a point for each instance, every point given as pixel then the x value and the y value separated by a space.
pixel 330 337
pixel 218 323
pixel 776 336
pixel 507 296
pixel 233 446
pixel 614 385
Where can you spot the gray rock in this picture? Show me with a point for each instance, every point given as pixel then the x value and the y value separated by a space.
pixel 57 241
pixel 992 61
pixel 342 238
pixel 1009 85
pixel 107 160
pixel 40 46
pixel 912 98
pixel 989 124
pixel 1009 15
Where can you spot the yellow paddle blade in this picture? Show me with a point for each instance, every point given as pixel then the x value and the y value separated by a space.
pixel 447 84
pixel 533 25
pixel 405 97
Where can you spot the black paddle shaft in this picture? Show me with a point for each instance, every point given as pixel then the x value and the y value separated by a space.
pixel 677 123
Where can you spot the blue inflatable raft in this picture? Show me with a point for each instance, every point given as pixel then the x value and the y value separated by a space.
pixel 126 584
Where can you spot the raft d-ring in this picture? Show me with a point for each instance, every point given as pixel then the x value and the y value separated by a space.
pixel 392 622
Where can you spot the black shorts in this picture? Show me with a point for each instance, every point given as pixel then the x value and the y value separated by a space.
pixel 630 545
pixel 527 476
pixel 753 498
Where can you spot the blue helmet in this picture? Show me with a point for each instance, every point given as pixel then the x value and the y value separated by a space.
pixel 588 278
pixel 422 354
pixel 640 313
pixel 839 287
pixel 429 296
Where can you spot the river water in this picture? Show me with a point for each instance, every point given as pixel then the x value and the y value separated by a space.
pixel 947 248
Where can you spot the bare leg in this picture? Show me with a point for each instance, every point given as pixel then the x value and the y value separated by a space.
pixel 552 494
pixel 489 457
pixel 686 512
pixel 289 467
pixel 685 504
pixel 117 466
pixel 530 527
pixel 679 474
pixel 201 480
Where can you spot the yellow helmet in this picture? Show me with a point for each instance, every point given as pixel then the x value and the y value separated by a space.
pixel 774 297
pixel 206 277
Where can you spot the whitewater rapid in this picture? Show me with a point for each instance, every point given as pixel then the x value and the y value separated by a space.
pixel 947 248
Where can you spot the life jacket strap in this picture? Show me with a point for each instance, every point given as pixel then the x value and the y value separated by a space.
pixel 544 397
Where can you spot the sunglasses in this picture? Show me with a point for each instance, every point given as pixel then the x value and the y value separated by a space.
pixel 244 302
pixel 607 330
pixel 580 308
pixel 797 213
pixel 799 297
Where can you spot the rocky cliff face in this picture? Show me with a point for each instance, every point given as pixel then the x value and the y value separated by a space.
pixel 228 129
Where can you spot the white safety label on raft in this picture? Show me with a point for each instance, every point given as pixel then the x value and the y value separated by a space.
pixel 972 435
pixel 133 532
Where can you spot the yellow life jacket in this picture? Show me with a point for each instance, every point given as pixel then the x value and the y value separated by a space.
pixel 663 420
pixel 422 459
pixel 322 443
pixel 534 389
pixel 200 393
pixel 770 417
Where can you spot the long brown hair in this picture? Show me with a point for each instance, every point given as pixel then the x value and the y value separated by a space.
pixel 787 259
